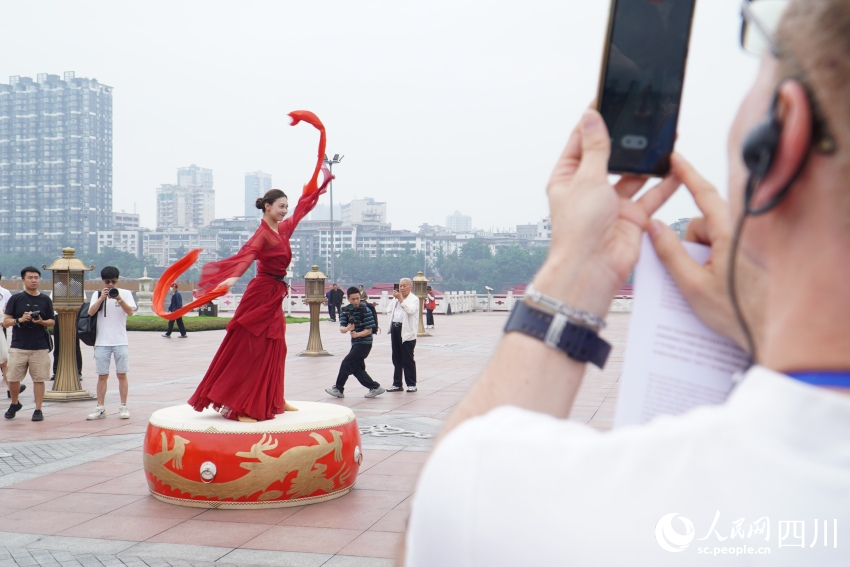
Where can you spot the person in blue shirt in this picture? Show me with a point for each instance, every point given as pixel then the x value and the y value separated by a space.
pixel 176 303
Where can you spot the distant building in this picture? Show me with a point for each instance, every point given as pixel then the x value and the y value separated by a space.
pixel 544 230
pixel 55 163
pixel 459 223
pixel 256 185
pixel 364 212
pixel 129 241
pixel 680 227
pixel 124 221
pixel 184 207
pixel 194 176
pixel 322 212
pixel 526 231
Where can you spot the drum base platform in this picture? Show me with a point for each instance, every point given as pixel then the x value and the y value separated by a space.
pixel 202 460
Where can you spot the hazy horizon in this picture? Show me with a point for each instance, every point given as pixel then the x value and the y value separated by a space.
pixel 436 107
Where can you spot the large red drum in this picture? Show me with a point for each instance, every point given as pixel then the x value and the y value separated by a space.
pixel 206 461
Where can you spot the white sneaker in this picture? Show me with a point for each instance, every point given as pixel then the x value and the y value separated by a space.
pixel 98 413
pixel 124 412
pixel 375 392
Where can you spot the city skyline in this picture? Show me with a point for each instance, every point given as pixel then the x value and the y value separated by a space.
pixel 473 122
pixel 55 162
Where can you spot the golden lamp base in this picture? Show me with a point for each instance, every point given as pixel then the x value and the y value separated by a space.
pixel 72 396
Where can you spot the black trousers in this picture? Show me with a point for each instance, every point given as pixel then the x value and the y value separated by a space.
pixel 56 339
pixel 355 363
pixel 332 310
pixel 180 326
pixel 402 357
pixel 429 317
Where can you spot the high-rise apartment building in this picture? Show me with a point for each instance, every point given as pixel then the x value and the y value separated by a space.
pixel 459 223
pixel 190 203
pixel 194 176
pixel 184 207
pixel 55 163
pixel 256 185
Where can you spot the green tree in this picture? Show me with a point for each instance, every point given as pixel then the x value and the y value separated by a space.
pixel 476 249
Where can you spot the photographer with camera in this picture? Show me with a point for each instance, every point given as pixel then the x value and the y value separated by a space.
pixel 112 306
pixel 29 313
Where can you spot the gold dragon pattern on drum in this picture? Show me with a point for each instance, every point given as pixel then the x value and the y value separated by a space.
pixel 309 477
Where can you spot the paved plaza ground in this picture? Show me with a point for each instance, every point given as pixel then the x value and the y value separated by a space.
pixel 73 492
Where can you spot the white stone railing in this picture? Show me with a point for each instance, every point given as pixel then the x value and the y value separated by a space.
pixel 457 301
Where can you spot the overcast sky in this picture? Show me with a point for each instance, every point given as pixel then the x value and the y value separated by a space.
pixel 437 106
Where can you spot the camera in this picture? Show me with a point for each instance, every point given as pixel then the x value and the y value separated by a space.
pixel 36 315
pixel 113 292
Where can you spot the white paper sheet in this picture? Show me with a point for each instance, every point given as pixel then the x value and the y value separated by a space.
pixel 673 362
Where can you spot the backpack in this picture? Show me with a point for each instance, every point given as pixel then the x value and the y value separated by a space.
pixel 87 325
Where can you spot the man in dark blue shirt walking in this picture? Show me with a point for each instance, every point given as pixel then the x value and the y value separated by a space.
pixel 176 303
pixel 357 320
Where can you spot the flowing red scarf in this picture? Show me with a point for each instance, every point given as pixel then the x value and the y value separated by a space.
pixel 173 272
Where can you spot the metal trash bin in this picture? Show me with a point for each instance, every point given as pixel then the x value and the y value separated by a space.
pixel 208 310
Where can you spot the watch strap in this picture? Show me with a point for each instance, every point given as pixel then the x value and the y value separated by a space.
pixel 579 343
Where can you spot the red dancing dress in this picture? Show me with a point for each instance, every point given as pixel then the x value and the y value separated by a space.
pixel 245 377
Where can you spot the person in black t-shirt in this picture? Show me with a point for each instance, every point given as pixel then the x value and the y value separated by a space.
pixel 30 313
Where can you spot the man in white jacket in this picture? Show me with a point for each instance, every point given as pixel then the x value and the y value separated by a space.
pixel 404 312
pixel 513 482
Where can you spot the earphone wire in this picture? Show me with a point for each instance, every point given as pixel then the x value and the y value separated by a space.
pixel 733 294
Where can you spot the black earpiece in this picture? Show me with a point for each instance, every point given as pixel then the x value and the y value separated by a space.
pixel 759 149
pixel 760 146
pixel 759 152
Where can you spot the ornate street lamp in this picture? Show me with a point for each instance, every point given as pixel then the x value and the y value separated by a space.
pixel 314 291
pixel 68 297
pixel 420 290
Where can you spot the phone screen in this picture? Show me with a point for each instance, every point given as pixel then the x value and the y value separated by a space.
pixel 395 287
pixel 641 82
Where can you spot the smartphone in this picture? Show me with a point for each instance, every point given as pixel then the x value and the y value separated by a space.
pixel 395 287
pixel 640 85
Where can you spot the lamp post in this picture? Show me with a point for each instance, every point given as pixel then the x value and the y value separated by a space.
pixel 420 290
pixel 68 296
pixel 314 291
pixel 331 162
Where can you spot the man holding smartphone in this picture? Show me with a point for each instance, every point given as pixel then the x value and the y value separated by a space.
pixel 29 315
pixel 403 310
pixel 513 482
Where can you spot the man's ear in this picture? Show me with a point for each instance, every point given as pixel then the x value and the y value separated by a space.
pixel 793 114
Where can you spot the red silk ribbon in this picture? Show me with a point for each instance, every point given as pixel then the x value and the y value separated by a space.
pixel 175 270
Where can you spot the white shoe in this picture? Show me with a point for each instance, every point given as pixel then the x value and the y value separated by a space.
pixel 98 413
pixel 124 412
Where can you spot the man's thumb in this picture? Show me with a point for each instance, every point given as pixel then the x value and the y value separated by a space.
pixel 671 253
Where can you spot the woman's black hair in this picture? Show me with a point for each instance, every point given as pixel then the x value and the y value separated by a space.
pixel 270 197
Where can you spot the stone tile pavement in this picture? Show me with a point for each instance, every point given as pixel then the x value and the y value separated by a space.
pixel 72 491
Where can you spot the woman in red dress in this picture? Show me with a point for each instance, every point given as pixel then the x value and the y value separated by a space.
pixel 245 379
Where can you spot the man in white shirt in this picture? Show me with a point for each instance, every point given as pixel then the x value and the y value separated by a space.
pixel 112 306
pixel 403 310
pixel 763 478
